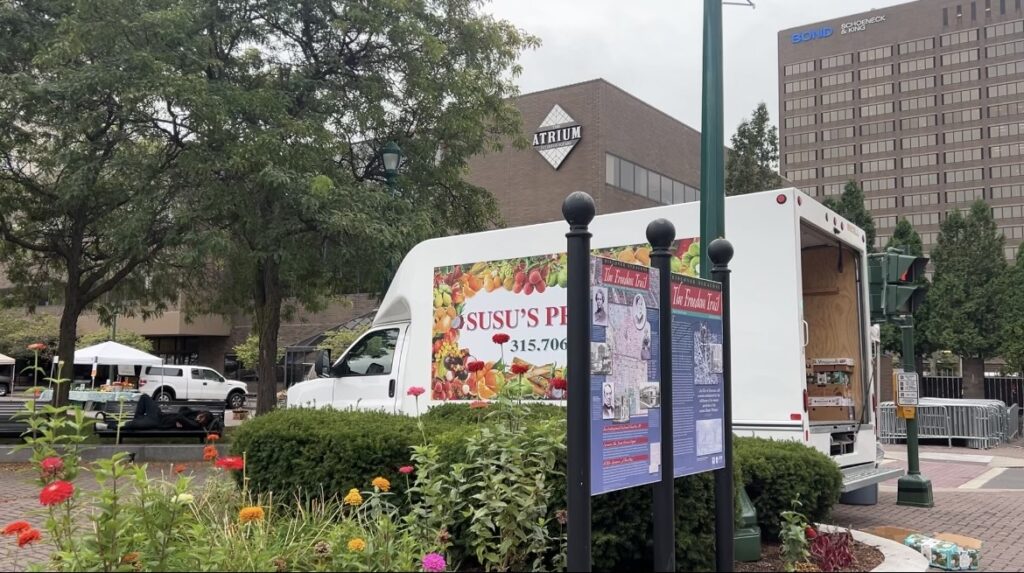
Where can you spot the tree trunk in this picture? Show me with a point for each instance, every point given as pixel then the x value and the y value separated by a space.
pixel 267 298
pixel 974 377
pixel 66 347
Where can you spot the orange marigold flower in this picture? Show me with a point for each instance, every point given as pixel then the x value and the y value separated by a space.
pixel 56 492
pixel 381 484
pixel 356 545
pixel 28 536
pixel 209 453
pixel 252 513
pixel 130 557
pixel 16 527
pixel 353 497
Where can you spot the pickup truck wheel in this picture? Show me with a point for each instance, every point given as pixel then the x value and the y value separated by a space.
pixel 3 389
pixel 164 395
pixel 236 400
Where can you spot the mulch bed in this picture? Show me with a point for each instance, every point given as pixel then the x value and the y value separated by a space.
pixel 866 558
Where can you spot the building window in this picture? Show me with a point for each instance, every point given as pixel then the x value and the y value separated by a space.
pixel 915 161
pixel 876 91
pixel 957 38
pixel 1006 150
pixel 962 155
pixel 962 135
pixel 877 203
pixel 921 180
pixel 1004 29
pixel 876 109
pixel 837 115
pixel 879 184
pixel 836 61
pixel 961 115
pixel 877 165
pixel 1008 212
pixel 838 170
pixel 917 103
pixel 915 46
pixel 961 76
pixel 800 85
pixel 961 96
pixel 833 189
pixel 922 219
pixel 1007 69
pixel 177 349
pixel 1004 171
pixel 917 65
pixel 836 152
pixel 885 222
pixel 929 238
pixel 836 79
pixel 628 176
pixel 802 174
pixel 1012 232
pixel 802 138
pixel 1007 191
pixel 1011 253
pixel 801 156
pixel 921 200
pixel 1006 130
pixel 801 68
pixel 836 97
pixel 837 133
pixel 964 175
pixel 877 128
pixel 812 190
pixel 876 72
pixel 965 195
pixel 799 103
pixel 1003 90
pixel 921 83
pixel 876 54
pixel 877 146
pixel 800 121
pixel 919 141
pixel 1006 109
pixel 1009 48
pixel 961 57
pixel 919 121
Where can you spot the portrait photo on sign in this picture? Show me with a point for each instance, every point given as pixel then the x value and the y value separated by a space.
pixel 607 400
pixel 645 345
pixel 639 312
pixel 600 306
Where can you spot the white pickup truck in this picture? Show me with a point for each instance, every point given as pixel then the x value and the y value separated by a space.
pixel 182 382
pixel 801 338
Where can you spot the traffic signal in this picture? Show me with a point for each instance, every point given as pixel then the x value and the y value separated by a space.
pixel 893 279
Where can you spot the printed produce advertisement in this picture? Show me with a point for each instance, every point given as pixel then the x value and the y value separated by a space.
pixel 501 325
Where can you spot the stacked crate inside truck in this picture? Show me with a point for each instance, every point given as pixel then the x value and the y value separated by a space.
pixel 829 390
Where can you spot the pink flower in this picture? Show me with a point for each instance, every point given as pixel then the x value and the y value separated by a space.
pixel 405 470
pixel 500 338
pixel 415 391
pixel 37 347
pixel 52 465
pixel 434 563
pixel 57 492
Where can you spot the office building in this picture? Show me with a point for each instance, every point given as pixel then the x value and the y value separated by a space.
pixel 922 103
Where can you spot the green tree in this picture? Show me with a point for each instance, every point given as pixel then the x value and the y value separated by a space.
pixel 126 337
pixel 906 238
pixel 248 351
pixel 1012 330
pixel 18 330
pixel 306 95
pixel 851 207
pixel 966 294
pixel 91 131
pixel 752 164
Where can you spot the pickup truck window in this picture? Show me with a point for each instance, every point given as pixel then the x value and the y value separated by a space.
pixel 371 356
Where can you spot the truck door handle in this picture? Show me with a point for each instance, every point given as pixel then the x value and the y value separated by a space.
pixel 391 389
pixel 807 333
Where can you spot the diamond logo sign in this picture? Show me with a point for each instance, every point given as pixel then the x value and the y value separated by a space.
pixel 556 136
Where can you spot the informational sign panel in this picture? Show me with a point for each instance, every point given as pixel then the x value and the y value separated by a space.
pixel 625 390
pixel 697 376
pixel 907 393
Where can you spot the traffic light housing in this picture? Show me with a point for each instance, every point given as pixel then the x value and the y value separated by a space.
pixel 894 280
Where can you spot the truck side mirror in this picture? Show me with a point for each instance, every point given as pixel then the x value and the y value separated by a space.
pixel 323 364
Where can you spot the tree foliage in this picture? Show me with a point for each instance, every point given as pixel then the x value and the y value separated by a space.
pixel 248 351
pixel 126 337
pixel 338 341
pixel 752 165
pixel 851 207
pixel 18 330
pixel 1012 329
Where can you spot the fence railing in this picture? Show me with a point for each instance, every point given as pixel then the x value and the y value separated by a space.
pixel 982 424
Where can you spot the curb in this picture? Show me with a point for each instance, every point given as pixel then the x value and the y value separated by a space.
pixel 896 557
pixel 143 452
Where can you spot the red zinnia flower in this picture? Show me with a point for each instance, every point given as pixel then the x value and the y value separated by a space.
pixel 500 338
pixel 405 470
pixel 209 452
pixel 235 463
pixel 475 366
pixel 28 536
pixel 52 465
pixel 810 532
pixel 558 383
pixel 179 468
pixel 212 437
pixel 16 527
pixel 520 369
pixel 57 492
pixel 37 347
pixel 415 391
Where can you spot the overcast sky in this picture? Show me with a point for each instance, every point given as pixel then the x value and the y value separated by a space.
pixel 652 48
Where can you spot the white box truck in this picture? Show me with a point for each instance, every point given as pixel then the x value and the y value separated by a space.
pixel 463 310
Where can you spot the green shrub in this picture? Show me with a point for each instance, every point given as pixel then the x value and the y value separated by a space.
pixel 776 473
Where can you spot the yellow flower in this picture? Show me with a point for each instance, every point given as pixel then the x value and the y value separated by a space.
pixel 356 544
pixel 353 497
pixel 253 513
pixel 381 484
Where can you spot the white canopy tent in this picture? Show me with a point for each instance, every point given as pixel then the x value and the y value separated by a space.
pixel 6 379
pixel 114 354
pixel 6 360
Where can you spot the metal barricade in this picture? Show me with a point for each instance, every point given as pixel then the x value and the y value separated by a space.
pixel 1013 416
pixel 982 424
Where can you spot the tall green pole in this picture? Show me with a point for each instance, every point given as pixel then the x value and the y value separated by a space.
pixel 712 137
pixel 912 489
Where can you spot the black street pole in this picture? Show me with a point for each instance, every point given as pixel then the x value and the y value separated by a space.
pixel 578 210
pixel 720 252
pixel 660 234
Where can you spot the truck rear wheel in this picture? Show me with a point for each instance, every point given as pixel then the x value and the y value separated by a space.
pixel 164 395
pixel 236 400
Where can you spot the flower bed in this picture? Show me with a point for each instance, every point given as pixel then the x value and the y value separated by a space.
pixel 865 558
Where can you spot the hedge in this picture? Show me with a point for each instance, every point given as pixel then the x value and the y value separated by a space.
pixel 306 452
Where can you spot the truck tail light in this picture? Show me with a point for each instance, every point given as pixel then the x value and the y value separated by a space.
pixel 796 416
pixel 781 199
pixel 807 401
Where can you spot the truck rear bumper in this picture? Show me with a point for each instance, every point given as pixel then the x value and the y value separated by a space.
pixel 857 477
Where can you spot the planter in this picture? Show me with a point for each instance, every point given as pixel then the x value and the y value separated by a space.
pixel 898 557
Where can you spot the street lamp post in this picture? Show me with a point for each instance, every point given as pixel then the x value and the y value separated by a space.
pixel 392 158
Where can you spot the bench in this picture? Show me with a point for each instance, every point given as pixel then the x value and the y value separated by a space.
pixel 114 415
pixel 12 425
